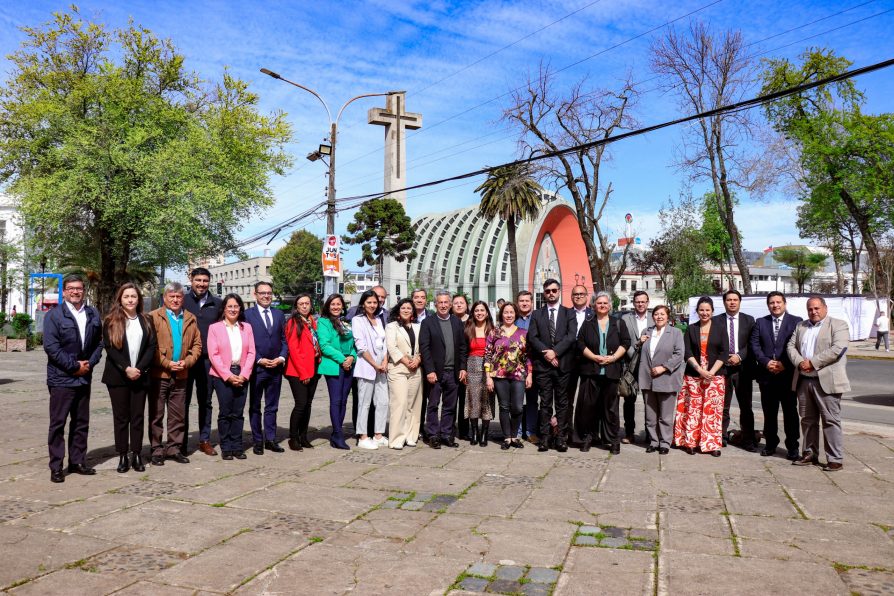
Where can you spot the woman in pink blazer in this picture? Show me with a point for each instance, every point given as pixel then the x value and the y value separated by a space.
pixel 231 351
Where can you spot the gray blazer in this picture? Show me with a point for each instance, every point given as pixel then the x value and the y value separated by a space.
pixel 629 319
pixel 669 354
pixel 829 357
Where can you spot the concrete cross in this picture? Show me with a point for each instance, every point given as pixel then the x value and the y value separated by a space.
pixel 395 120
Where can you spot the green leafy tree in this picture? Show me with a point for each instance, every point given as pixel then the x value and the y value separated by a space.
pixel 297 266
pixel 718 244
pixel 382 229
pixel 511 194
pixel 804 263
pixel 115 149
pixel 824 218
pixel 843 153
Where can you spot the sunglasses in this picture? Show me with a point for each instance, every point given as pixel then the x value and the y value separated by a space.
pixel 551 291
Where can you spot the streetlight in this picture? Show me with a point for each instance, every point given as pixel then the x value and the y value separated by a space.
pixel 331 283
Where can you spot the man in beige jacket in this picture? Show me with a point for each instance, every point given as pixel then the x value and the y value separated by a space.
pixel 817 349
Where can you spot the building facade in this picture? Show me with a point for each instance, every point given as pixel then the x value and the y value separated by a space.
pixel 239 277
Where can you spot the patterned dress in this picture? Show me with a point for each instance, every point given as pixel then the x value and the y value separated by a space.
pixel 699 419
pixel 479 402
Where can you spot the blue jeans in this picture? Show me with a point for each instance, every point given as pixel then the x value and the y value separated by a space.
pixel 339 389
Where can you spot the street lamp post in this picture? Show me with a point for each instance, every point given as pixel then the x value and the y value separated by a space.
pixel 330 283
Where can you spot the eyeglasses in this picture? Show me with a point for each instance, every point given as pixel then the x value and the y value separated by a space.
pixel 578 295
pixel 71 289
pixel 551 291
pixel 265 293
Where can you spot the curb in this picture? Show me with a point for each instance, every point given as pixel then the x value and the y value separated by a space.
pixel 869 357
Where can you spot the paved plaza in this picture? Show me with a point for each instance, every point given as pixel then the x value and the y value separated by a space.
pixel 421 521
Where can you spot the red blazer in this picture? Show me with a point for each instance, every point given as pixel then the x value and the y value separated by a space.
pixel 303 358
pixel 219 350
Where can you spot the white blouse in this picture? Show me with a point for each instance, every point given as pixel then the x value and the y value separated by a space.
pixel 653 340
pixel 134 334
pixel 235 336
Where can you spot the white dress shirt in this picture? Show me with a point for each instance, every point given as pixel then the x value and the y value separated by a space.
pixel 808 344
pixel 234 334
pixel 642 323
pixel 80 317
pixel 581 317
pixel 134 333
pixel 653 340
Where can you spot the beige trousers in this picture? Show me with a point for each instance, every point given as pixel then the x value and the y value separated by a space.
pixel 405 403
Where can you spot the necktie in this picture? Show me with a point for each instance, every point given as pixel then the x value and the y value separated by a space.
pixel 267 321
pixel 776 323
pixel 552 325
pixel 732 337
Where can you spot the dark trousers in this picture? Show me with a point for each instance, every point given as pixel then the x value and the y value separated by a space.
pixel 597 406
pixel 423 422
pixel 739 381
pixel 774 395
pixel 339 388
pixel 511 395
pixel 266 384
pixel 552 386
pixel 167 395
pixel 304 397
pixel 128 415
pixel 65 402
pixel 230 413
pixel 443 397
pixel 199 379
pixel 462 423
pixel 355 405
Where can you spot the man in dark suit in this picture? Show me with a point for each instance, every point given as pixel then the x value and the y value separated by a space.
pixel 444 350
pixel 552 337
pixel 774 372
pixel 580 301
pixel 72 341
pixel 204 306
pixel 268 325
pixel 739 369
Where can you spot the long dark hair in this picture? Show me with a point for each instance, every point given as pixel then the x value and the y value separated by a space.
pixel 470 322
pixel 116 320
pixel 221 313
pixel 297 319
pixel 337 323
pixel 394 314
pixel 361 311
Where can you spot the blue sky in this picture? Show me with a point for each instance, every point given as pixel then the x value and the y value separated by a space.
pixel 440 52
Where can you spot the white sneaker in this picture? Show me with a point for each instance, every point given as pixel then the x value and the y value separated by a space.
pixel 367 443
pixel 410 443
pixel 381 441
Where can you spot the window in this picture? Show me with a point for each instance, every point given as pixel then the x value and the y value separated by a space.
pixel 623 285
pixel 632 285
pixel 647 284
pixel 658 284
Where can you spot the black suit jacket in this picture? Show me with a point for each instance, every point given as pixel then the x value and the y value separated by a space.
pixel 615 336
pixel 718 346
pixel 566 338
pixel 746 324
pixel 119 359
pixel 765 349
pixel 433 351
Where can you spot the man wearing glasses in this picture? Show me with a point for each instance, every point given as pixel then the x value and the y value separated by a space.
pixel 552 337
pixel 268 326
pixel 580 302
pixel 72 340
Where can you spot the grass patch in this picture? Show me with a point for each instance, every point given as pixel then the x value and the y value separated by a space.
pixel 884 527
pixel 218 504
pixel 844 567
pixel 791 500
pixel 315 539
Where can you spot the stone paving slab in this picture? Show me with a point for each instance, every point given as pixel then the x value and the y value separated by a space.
pixel 319 522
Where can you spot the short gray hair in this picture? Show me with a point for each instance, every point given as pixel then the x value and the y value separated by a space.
pixel 173 287
pixel 816 297
pixel 443 293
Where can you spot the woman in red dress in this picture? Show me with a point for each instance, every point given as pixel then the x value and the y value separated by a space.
pixel 699 421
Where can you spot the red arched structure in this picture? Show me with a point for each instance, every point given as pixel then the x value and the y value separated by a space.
pixel 561 225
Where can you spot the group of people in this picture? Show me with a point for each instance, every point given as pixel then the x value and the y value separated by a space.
pixel 556 375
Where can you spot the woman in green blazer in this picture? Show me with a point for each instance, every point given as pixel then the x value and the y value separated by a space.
pixel 337 365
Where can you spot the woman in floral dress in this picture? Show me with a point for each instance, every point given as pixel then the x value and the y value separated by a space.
pixel 508 369
pixel 699 421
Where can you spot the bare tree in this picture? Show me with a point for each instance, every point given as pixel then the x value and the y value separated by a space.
pixel 706 71
pixel 549 121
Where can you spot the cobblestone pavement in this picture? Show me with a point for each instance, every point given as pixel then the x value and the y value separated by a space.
pixel 420 521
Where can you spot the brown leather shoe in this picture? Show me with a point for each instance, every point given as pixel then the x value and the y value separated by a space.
pixel 206 448
pixel 832 467
pixel 808 459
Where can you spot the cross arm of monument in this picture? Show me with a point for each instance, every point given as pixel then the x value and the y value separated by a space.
pixel 385 117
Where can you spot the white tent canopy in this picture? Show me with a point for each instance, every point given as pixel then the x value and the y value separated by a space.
pixel 860 312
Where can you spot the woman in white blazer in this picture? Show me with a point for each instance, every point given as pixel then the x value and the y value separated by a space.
pixel 404 375
pixel 371 371
pixel 661 378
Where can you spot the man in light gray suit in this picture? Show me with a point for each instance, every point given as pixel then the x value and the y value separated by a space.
pixel 817 350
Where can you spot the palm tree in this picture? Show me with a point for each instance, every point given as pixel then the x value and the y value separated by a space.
pixel 511 194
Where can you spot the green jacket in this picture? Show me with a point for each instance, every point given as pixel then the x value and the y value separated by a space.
pixel 335 347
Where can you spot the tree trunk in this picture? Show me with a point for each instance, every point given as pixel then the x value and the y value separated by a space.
pixel 513 256
pixel 863 224
pixel 855 268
